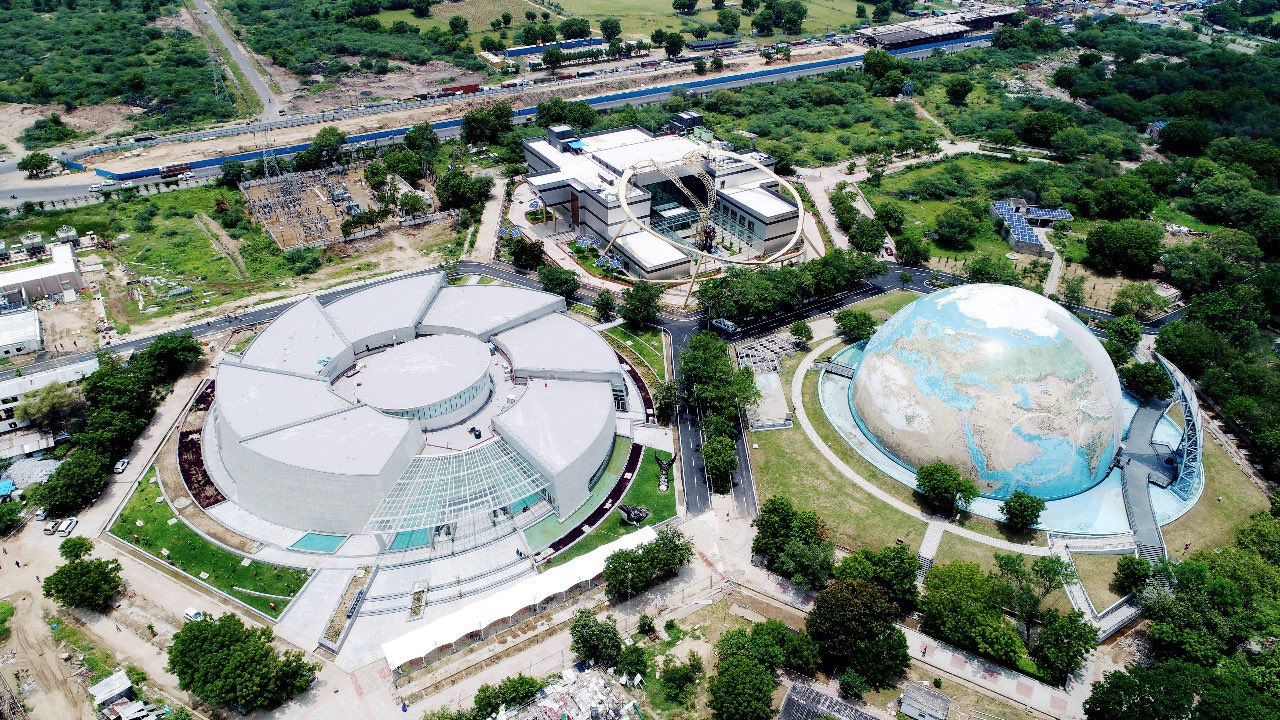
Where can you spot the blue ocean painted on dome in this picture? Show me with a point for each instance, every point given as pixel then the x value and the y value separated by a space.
pixel 998 381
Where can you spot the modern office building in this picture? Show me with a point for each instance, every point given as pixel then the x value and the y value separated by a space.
pixel 414 406
pixel 581 176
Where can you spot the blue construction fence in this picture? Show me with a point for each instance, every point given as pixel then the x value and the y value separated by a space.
pixel 562 44
pixel 522 113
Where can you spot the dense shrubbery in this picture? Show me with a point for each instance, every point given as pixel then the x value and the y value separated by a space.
pixel 1206 632
pixel 740 295
pixel 630 572
pixel 86 52
pixel 310 39
pixel 121 400
pixel 233 666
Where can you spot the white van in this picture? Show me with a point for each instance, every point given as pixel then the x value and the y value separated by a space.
pixel 64 530
pixel 96 187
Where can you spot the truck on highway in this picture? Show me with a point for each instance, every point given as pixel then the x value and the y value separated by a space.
pixel 173 171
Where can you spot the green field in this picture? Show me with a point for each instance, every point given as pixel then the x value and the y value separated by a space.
pixel 1229 498
pixel 192 554
pixel 645 342
pixel 644 16
pixel 644 493
pixel 1095 572
pixel 166 240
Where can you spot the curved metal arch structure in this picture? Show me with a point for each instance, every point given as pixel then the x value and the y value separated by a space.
pixel 695 158
pixel 1190 478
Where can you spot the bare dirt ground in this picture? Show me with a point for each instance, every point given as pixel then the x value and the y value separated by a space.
pixel 298 210
pixel 182 19
pixel 172 153
pixel 99 119
pixel 69 327
pixel 364 87
pixel 53 691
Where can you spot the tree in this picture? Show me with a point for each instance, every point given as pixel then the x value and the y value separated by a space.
pixel 891 216
pixel 944 488
pixel 853 685
pixel 855 325
pixel 1128 246
pixel 632 571
pixel 808 563
pixel 75 548
pixel 526 253
pixel 802 332
pixel 1070 143
pixel 914 252
pixel 700 32
pixel 1126 196
pixel 559 281
pixel 1147 380
pixel 720 459
pixel 1022 511
pixel 700 66
pixel 960 605
pixel 457 189
pixel 1072 290
pixel 167 358
pixel 958 88
pixel 729 21
pixel 673 45
pixel 512 693
pixel 74 484
pixel 610 28
pixel 553 57
pixel 665 398
pixel 606 305
pixel 955 227
pixel 1132 572
pixel 640 303
pixel 632 661
pixel 412 204
pixel 458 25
pixel 852 623
pixel 1125 330
pixel 684 7
pixel 574 28
pixel 422 139
pixel 1022 588
pixel 1164 692
pixel 84 583
pixel 1137 299
pixel 773 527
pixel 1063 644
pixel 233 171
pixel 1186 136
pixel 487 125
pixel 10 517
pixel 594 639
pixel 742 689
pixel 750 6
pixel 230 665
pixel 35 163
pixel 893 568
pixel 51 407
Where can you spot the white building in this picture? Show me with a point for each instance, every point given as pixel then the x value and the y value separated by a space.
pixel 14 389
pixel 45 279
pixel 580 175
pixel 413 405
pixel 20 333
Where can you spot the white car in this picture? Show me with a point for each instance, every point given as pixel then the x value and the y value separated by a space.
pixel 127 184
pixel 186 175
pixel 108 182
pixel 96 187
pixel 120 466
pixel 192 615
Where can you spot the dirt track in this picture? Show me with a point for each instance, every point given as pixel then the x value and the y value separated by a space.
pixel 60 695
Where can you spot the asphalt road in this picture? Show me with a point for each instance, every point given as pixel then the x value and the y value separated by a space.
pixel 256 81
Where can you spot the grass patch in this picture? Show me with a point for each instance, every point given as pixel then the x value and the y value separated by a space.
pixel 6 614
pixel 1095 572
pixel 192 554
pixel 1164 212
pixel 643 492
pixel 786 463
pixel 99 662
pixel 885 305
pixel 243 345
pixel 1229 498
pixel 646 342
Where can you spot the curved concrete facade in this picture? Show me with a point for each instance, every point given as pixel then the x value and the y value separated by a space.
pixel 319 427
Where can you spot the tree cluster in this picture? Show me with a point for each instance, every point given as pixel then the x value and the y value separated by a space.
pixel 120 400
pixel 748 660
pixel 721 391
pixel 233 666
pixel 794 543
pixel 83 582
pixel 741 295
pixel 628 573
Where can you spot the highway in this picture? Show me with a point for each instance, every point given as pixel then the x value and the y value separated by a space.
pixel 19 192
pixel 207 15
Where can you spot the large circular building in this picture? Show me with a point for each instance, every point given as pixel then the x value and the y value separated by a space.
pixel 1000 382
pixel 414 406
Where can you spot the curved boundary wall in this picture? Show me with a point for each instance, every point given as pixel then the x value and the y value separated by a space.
pixel 644 95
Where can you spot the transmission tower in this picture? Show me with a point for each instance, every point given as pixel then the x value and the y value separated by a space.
pixel 219 84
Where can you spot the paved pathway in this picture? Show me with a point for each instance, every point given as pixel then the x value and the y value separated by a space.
pixel 486 244
pixel 1144 462
pixel 207 15
pixel 932 539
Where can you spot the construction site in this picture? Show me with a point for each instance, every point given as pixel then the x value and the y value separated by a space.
pixel 307 209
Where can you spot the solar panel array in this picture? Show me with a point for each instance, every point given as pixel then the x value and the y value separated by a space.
pixel 440 489
pixel 1017 222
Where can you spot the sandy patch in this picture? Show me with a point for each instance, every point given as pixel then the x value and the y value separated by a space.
pixel 182 19
pixel 99 119
pixel 365 87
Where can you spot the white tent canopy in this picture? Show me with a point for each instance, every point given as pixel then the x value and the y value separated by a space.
pixel 507 602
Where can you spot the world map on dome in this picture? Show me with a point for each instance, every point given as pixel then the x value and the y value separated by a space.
pixel 1002 383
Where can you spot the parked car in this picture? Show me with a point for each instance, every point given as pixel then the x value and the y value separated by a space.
pixel 66 526
pixel 192 615
pixel 42 513
pixel 120 466
pixel 52 527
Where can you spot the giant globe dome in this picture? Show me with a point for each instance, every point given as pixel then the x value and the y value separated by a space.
pixel 1002 383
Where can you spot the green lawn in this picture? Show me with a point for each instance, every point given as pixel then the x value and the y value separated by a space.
pixel 1229 499
pixel 1165 213
pixel 6 613
pixel 1096 572
pixel 645 342
pixel 785 463
pixel 192 554
pixel 643 492
pixel 884 306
